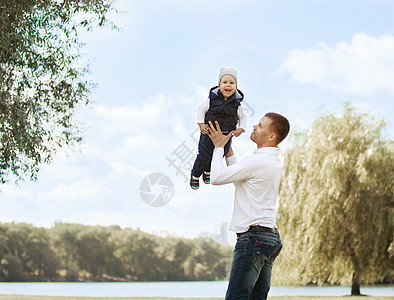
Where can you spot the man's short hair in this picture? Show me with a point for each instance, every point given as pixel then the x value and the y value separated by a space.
pixel 280 125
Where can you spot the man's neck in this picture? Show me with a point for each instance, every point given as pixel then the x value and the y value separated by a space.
pixel 267 146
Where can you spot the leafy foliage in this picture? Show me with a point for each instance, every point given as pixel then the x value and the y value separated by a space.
pixel 76 252
pixel 42 78
pixel 336 196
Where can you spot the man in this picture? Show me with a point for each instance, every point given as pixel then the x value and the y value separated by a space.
pixel 256 179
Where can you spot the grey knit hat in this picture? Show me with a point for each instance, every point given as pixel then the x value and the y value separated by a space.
pixel 227 71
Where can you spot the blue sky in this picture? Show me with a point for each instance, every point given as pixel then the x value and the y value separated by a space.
pixel 299 58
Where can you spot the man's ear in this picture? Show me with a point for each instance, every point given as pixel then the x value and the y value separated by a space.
pixel 272 137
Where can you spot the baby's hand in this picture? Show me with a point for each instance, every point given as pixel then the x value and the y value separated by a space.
pixel 238 132
pixel 204 128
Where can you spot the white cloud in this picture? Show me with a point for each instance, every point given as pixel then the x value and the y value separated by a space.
pixel 132 118
pixel 137 143
pixel 78 191
pixel 364 66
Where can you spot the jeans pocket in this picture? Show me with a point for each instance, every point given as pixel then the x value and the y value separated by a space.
pixel 265 251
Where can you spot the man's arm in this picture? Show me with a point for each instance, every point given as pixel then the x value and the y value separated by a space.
pixel 219 173
pixel 231 160
pixel 237 171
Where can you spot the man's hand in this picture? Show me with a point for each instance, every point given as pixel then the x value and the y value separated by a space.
pixel 216 135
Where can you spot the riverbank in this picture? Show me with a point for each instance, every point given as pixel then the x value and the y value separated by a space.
pixel 22 297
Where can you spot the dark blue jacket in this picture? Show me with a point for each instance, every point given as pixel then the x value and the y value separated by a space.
pixel 223 111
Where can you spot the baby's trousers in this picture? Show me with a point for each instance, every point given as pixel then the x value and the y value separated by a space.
pixel 204 156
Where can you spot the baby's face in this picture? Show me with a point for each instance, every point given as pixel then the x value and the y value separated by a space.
pixel 228 86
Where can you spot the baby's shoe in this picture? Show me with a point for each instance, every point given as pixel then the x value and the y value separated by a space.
pixel 206 177
pixel 194 182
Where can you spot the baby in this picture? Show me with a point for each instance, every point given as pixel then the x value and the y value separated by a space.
pixel 223 105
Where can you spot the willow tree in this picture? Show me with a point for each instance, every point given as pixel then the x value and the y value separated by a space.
pixel 336 202
pixel 42 78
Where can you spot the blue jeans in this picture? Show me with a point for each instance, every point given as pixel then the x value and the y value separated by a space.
pixel 204 156
pixel 254 255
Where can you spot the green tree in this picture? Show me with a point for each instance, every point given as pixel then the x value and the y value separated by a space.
pixel 336 202
pixel 42 79
pixel 27 248
pixel 63 237
pixel 94 250
pixel 181 249
pixel 16 242
pixel 146 260
pixel 123 243
pixel 86 248
pixel 41 259
pixel 12 269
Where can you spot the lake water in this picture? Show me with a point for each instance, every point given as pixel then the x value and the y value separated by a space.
pixel 168 289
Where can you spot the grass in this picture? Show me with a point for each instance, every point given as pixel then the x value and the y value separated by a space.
pixel 21 297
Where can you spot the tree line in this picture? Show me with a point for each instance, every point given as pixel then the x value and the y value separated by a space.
pixel 75 252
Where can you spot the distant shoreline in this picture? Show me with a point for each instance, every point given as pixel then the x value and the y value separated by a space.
pixel 24 297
